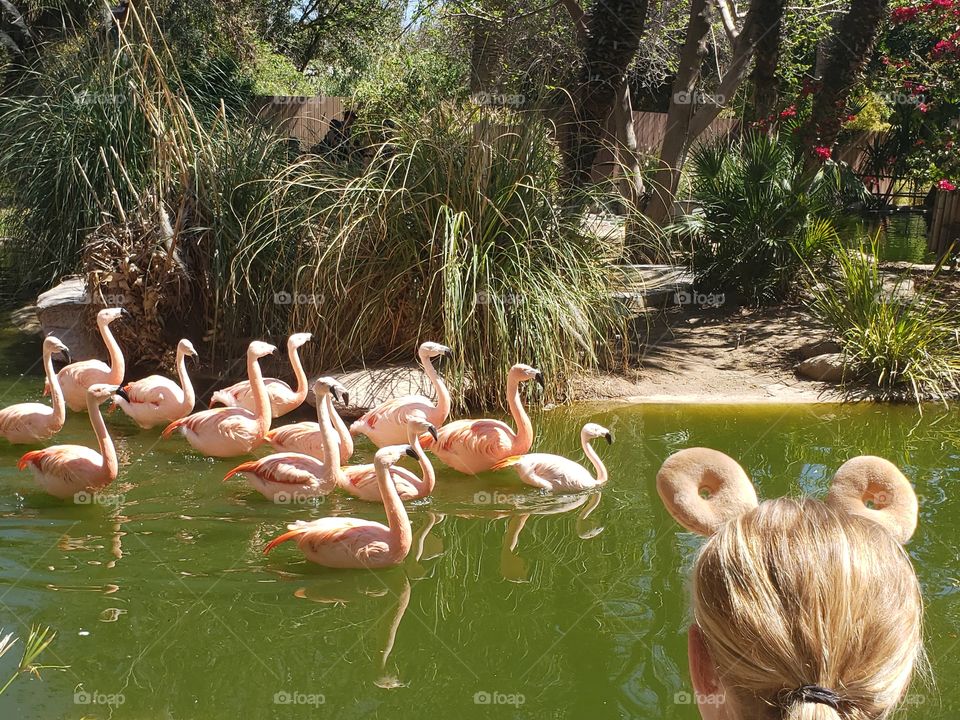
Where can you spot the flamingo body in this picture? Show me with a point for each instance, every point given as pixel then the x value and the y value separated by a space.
pixel 283 398
pixel 306 437
pixel 65 470
pixel 386 424
pixel 221 432
pixel 29 423
pixel 556 473
pixel 77 377
pixel 285 477
pixel 354 543
pixel 156 399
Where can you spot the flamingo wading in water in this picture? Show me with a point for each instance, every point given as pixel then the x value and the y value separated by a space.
pixel 472 446
pixel 156 399
pixel 386 424
pixel 283 398
pixel 339 542
pixel 307 438
pixel 231 431
pixel 76 377
pixel 32 422
pixel 361 480
pixel 65 470
pixel 289 477
pixel 559 474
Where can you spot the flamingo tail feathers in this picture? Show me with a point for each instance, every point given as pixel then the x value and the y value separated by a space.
pixel 507 462
pixel 248 466
pixel 289 535
pixel 29 458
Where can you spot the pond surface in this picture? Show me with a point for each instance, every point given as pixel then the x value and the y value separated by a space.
pixel 165 606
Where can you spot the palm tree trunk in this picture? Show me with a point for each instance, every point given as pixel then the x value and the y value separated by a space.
pixel 849 52
pixel 766 58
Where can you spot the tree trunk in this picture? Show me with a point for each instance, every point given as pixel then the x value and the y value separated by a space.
pixel 680 112
pixel 627 152
pixel 849 52
pixel 767 58
pixel 613 32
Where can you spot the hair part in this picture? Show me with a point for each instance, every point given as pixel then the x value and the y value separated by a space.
pixel 795 593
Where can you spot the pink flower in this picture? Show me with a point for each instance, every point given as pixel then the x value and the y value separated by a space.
pixel 851 118
pixel 904 14
pixel 789 112
pixel 946 185
pixel 922 107
pixel 822 152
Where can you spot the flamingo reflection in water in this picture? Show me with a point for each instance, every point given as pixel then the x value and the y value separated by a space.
pixel 395 583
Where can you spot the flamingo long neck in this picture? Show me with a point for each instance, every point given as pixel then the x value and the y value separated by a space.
pixel 298 372
pixel 330 442
pixel 429 479
pixel 594 459
pixel 443 395
pixel 261 399
pixel 189 395
pixel 117 365
pixel 107 450
pixel 56 392
pixel 343 432
pixel 524 436
pixel 397 520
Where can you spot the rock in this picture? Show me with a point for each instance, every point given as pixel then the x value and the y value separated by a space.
pixel 368 387
pixel 827 367
pixel 25 319
pixel 817 347
pixel 63 311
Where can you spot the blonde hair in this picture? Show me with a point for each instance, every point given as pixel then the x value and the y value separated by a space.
pixel 795 593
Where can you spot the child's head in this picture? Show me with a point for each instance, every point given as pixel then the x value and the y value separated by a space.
pixel 804 610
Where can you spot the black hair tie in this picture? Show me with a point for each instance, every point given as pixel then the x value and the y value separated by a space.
pixel 814 694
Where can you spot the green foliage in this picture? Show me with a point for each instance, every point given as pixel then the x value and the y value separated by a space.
pixel 454 231
pixel 275 74
pixel 37 641
pixel 894 337
pixel 760 216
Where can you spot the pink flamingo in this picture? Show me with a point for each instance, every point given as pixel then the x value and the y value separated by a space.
pixel 386 424
pixel 227 432
pixel 559 474
pixel 77 377
pixel 156 399
pixel 353 543
pixel 282 398
pixel 306 438
pixel 65 470
pixel 287 476
pixel 32 422
pixel 361 480
pixel 472 446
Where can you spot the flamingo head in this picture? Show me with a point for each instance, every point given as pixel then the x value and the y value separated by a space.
pixel 525 372
pixel 102 391
pixel 52 345
pixel 327 385
pixel 186 347
pixel 419 425
pixel 389 456
pixel 298 340
pixel 592 430
pixel 259 349
pixel 108 315
pixel 432 350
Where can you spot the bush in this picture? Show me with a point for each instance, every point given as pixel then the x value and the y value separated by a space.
pixel 760 217
pixel 894 337
pixel 453 231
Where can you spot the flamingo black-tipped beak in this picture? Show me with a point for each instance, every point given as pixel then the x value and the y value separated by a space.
pixel 433 433
pixel 411 452
pixel 345 398
pixel 539 378
pixel 66 354
pixel 335 393
pixel 124 313
pixel 120 392
pixel 609 438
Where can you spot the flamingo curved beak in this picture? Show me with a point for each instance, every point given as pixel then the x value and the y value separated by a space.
pixel 120 392
pixel 411 452
pixel 66 354
pixel 345 397
pixel 336 394
pixel 539 378
pixel 433 433
pixel 124 313
pixel 609 437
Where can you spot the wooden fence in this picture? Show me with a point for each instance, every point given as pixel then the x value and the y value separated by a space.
pixel 305 118
pixel 944 233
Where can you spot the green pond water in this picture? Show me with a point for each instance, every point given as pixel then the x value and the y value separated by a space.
pixel 165 606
